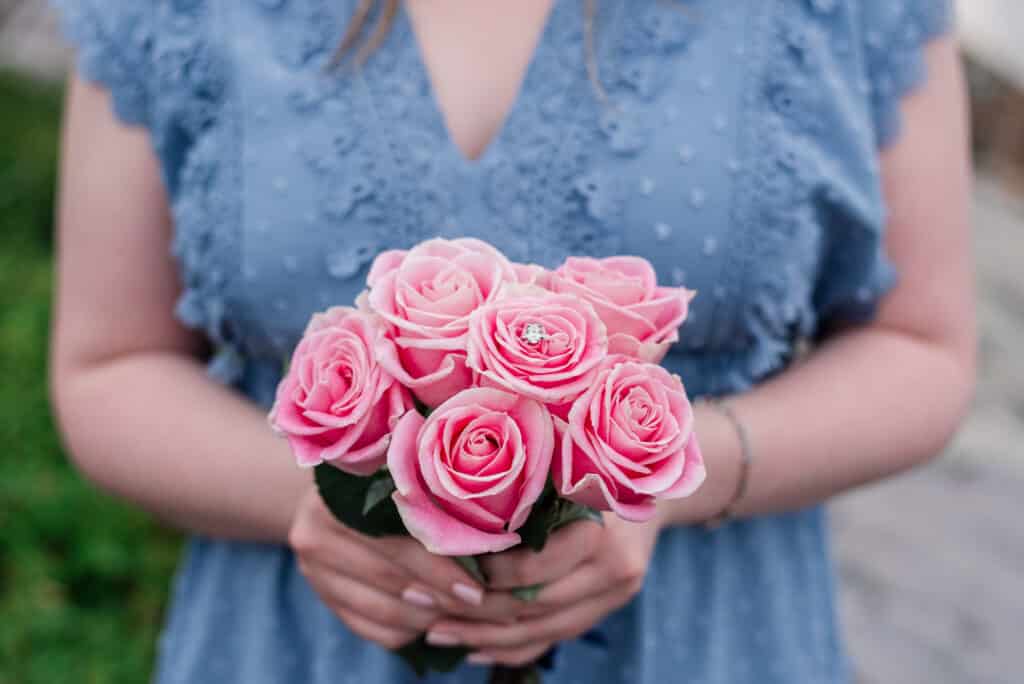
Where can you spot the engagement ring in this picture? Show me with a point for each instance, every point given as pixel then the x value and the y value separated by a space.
pixel 534 333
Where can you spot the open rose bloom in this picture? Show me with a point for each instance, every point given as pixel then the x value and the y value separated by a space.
pixel 337 404
pixel 426 295
pixel 468 475
pixel 642 317
pixel 532 386
pixel 629 441
pixel 544 346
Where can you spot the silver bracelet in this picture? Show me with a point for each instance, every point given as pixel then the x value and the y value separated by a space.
pixel 746 460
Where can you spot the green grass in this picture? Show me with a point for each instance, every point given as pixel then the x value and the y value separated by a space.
pixel 83 579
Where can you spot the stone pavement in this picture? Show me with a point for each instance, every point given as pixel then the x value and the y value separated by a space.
pixel 932 563
pixel 29 38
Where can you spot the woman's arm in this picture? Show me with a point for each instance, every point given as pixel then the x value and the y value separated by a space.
pixel 873 400
pixel 139 416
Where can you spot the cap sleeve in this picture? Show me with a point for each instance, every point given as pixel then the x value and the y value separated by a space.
pixel 114 43
pixel 855 271
pixel 895 34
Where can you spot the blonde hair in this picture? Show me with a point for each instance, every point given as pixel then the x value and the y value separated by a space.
pixel 356 48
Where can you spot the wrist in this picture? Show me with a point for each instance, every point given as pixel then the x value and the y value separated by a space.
pixel 662 516
pixel 733 488
pixel 723 458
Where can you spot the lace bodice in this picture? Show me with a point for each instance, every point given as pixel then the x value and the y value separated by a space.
pixel 732 144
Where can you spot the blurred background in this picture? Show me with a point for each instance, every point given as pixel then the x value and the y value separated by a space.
pixel 931 564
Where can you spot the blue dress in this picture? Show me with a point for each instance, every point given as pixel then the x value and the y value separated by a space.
pixel 734 144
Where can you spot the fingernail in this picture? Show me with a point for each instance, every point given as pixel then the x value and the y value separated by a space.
pixel 469 594
pixel 418 598
pixel 480 659
pixel 442 639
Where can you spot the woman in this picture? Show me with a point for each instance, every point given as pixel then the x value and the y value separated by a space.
pixel 752 150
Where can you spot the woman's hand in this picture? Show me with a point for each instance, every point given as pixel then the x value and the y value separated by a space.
pixel 587 571
pixel 388 590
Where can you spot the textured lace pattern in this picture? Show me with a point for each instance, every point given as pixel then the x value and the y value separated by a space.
pixel 407 180
pixel 804 241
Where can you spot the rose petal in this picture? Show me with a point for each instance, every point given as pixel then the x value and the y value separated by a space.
pixel 438 531
pixel 385 263
pixel 694 475
pixel 590 488
pixel 432 387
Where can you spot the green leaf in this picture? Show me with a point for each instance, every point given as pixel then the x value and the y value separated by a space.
pixel 471 565
pixel 551 513
pixel 346 497
pixel 421 408
pixel 527 594
pixel 534 531
pixel 568 512
pixel 424 658
pixel 380 490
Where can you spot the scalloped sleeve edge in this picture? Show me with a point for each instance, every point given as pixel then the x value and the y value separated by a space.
pixel 115 58
pixel 898 66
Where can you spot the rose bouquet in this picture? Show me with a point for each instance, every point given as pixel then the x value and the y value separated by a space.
pixel 478 404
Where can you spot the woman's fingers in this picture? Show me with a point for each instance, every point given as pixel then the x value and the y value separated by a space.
pixel 497 607
pixel 346 554
pixel 585 582
pixel 399 566
pixel 566 549
pixel 388 637
pixel 448 584
pixel 343 592
pixel 559 626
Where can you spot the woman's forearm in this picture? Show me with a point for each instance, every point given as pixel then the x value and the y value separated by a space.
pixel 150 427
pixel 867 404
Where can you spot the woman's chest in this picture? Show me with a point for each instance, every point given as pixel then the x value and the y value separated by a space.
pixel 674 131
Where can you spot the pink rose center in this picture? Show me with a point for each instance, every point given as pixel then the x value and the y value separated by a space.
pixel 537 342
pixel 480 450
pixel 482 443
pixel 639 414
pixel 445 284
pixel 332 379
pixel 437 290
pixel 341 379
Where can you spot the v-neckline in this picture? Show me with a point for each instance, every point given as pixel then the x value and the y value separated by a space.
pixel 438 111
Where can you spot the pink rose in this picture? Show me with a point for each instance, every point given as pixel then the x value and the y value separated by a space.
pixel 336 404
pixel 642 318
pixel 532 275
pixel 468 476
pixel 545 347
pixel 427 295
pixel 629 441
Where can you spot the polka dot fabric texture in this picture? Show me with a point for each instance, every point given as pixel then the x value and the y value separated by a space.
pixel 733 144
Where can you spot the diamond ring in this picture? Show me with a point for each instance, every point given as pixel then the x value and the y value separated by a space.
pixel 533 333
